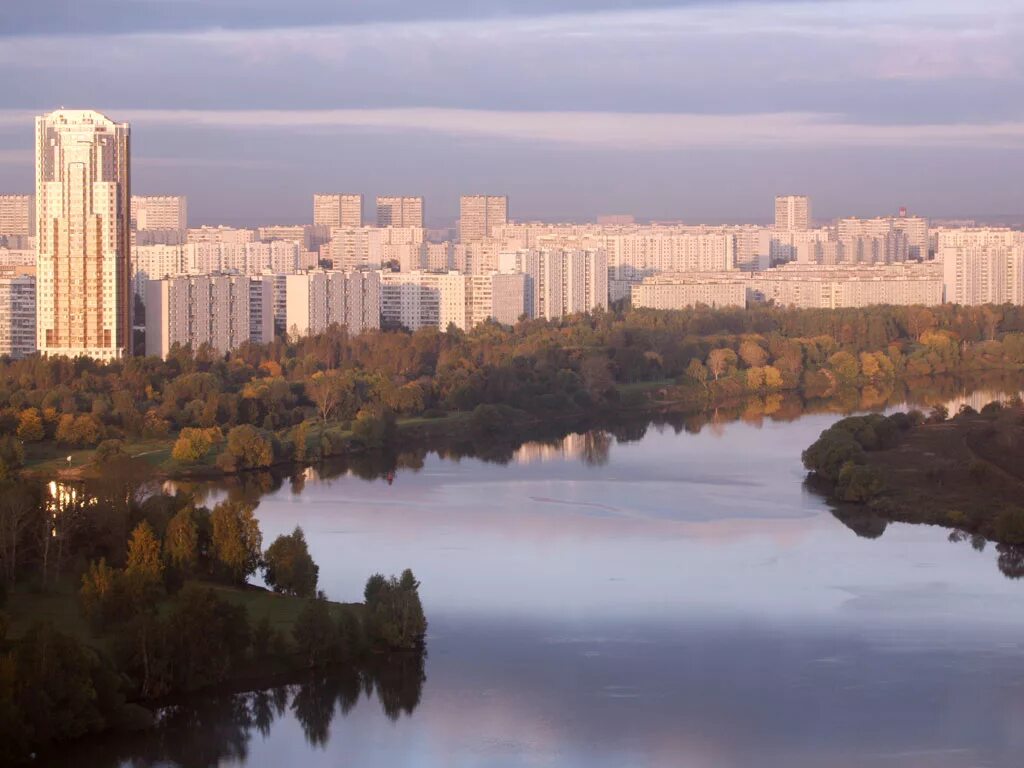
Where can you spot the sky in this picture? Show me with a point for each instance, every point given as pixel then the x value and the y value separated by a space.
pixel 693 110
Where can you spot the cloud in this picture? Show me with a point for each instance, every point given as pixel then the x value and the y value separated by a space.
pixel 636 131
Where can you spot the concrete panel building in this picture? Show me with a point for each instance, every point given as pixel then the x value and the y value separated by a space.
pixel 17 316
pixel 83 205
pixel 400 212
pixel 338 210
pixel 224 311
pixel 688 290
pixel 982 266
pixel 160 212
pixel 17 215
pixel 480 214
pixel 560 282
pixel 792 212
pixel 315 300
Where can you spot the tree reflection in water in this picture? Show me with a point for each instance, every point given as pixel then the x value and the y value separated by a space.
pixel 213 729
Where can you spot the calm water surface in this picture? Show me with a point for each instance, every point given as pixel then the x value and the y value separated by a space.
pixel 678 600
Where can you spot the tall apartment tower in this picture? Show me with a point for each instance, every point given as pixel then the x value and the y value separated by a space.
pixel 479 214
pixel 399 211
pixel 83 210
pixel 160 212
pixel 17 213
pixel 792 212
pixel 335 210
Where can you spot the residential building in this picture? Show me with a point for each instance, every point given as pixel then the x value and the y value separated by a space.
pixel 83 204
pixel 480 214
pixel 560 282
pixel 221 234
pixel 223 311
pixel 17 316
pixel 400 212
pixel 982 266
pixel 161 212
pixel 317 299
pixel 338 210
pixel 17 215
pixel 792 212
pixel 677 291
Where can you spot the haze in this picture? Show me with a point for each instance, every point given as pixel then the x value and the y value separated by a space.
pixel 699 111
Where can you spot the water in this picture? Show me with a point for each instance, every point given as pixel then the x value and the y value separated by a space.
pixel 676 600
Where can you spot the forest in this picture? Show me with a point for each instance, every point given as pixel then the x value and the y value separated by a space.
pixel 262 405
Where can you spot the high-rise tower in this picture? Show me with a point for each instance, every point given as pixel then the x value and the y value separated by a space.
pixel 83 212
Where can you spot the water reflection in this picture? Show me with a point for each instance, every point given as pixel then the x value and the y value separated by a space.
pixel 212 730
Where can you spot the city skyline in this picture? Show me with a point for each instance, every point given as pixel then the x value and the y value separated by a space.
pixel 696 110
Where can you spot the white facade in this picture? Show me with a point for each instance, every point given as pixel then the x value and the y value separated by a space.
pixel 400 212
pixel 982 266
pixel 338 210
pixel 317 299
pixel 224 311
pixel 560 282
pixel 226 235
pixel 480 214
pixel 162 212
pixel 83 206
pixel 17 215
pixel 681 291
pixel 17 316
pixel 792 212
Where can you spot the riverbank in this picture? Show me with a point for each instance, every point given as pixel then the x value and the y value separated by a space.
pixel 964 473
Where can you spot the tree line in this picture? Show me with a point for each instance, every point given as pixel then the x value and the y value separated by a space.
pixel 570 365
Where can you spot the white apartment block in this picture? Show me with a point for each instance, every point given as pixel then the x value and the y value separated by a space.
pixel 689 290
pixel 163 212
pixel 480 214
pixel 317 299
pixel 337 210
pixel 982 266
pixel 17 215
pixel 249 258
pixel 797 245
pixel 912 229
pixel 400 212
pixel 792 212
pixel 418 300
pixel 17 316
pixel 153 262
pixel 221 234
pixel 838 287
pixel 83 205
pixel 560 282
pixel 224 311
pixel 439 257
pixel 309 237
pixel 18 257
pixel 372 247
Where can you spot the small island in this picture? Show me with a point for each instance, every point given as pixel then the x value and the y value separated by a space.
pixel 964 472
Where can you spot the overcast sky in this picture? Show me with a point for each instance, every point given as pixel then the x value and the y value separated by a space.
pixel 693 110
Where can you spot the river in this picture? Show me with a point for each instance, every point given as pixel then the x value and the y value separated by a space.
pixel 659 599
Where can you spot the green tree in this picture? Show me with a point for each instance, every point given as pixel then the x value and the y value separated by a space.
pixel 374 427
pixel 315 633
pixel 288 566
pixel 249 447
pixel 237 541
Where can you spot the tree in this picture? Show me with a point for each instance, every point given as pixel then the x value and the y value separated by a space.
pixel 99 593
pixel 752 353
pixel 395 614
pixel 249 447
pixel 19 511
pixel 315 633
pixel 194 444
pixel 30 426
pixel 698 372
pixel 144 570
pixel 288 566
pixel 326 389
pixel 181 540
pixel 12 456
pixel 237 541
pixel 374 427
pixel 721 361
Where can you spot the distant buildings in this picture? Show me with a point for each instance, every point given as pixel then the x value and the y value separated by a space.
pixel 792 212
pixel 223 311
pixel 83 204
pixel 337 210
pixel 17 216
pixel 982 266
pixel 400 212
pixel 796 285
pixel 162 212
pixel 315 300
pixel 480 214
pixel 560 282
pixel 17 316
